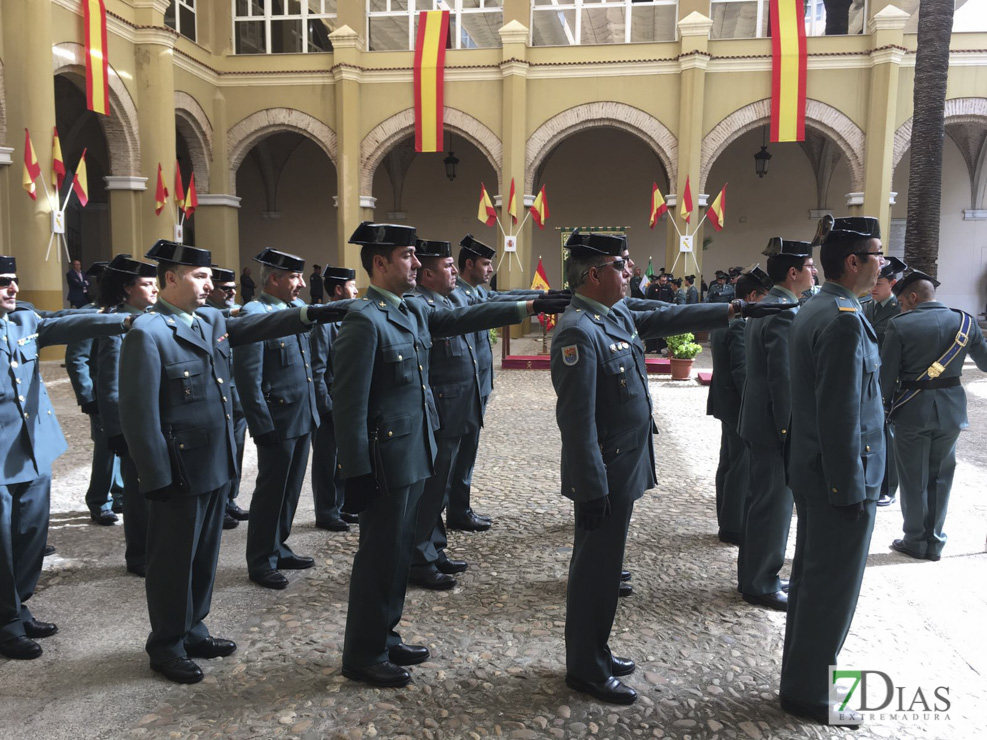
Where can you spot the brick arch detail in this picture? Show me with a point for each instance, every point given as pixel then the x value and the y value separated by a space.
pixel 603 114
pixel 383 137
pixel 120 127
pixel 243 135
pixel 822 118
pixel 957 110
pixel 192 121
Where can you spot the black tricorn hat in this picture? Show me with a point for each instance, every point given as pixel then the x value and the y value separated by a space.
pixel 222 275
pixel 166 251
pixel 851 228
pixel 124 263
pixel 280 260
pixel 384 235
pixel 7 264
pixel 97 268
pixel 778 246
pixel 893 268
pixel 428 248
pixel 910 279
pixel 585 245
pixel 758 275
pixel 478 248
pixel 344 274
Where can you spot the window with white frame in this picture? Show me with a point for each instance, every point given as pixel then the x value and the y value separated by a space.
pixel 180 15
pixel 573 22
pixel 473 24
pixel 283 26
pixel 743 19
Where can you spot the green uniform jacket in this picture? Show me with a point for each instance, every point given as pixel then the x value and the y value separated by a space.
pixel 729 373
pixel 879 316
pixel 837 445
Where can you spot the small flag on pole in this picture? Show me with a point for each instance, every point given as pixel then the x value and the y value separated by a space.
pixel 31 167
pixel 512 204
pixel 179 189
pixel 192 199
pixel 57 163
pixel 686 210
pixel 539 209
pixel 97 59
pixel 540 282
pixel 160 194
pixel 80 183
pixel 486 213
pixel 658 205
pixel 717 211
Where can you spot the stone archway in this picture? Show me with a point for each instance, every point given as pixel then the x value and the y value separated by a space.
pixel 825 119
pixel 192 122
pixel 120 127
pixel 600 115
pixel 243 135
pixel 383 137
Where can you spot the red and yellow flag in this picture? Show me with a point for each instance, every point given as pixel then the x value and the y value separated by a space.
pixel 430 62
pixel 486 212
pixel 685 210
pixel 512 204
pixel 179 189
pixel 97 59
pixel 31 167
pixel 658 205
pixel 540 282
pixel 192 199
pixel 718 210
pixel 788 70
pixel 57 163
pixel 539 209
pixel 80 183
pixel 160 194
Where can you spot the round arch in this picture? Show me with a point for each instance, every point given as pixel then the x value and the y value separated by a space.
pixel 383 137
pixel 120 127
pixel 606 114
pixel 242 136
pixel 192 122
pixel 823 118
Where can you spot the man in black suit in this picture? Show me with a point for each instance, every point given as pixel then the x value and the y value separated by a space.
pixel 78 285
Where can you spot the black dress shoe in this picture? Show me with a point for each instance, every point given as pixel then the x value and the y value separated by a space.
pixel 296 562
pixel 469 523
pixel 818 713
pixel 349 518
pixel 621 666
pixel 778 600
pixel 49 550
pixel 885 500
pixel 611 691
pixel 731 538
pixel 211 647
pixel 402 654
pixel 384 674
pixel 236 512
pixel 434 580
pixel 270 579
pixel 138 570
pixel 229 522
pixel 934 557
pixel 625 575
pixel 117 507
pixel 180 670
pixel 899 546
pixel 626 589
pixel 35 629
pixel 449 567
pixel 334 525
pixel 20 648
pixel 105 518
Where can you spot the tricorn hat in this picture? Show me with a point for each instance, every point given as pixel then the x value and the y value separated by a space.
pixel 222 275
pixel 344 274
pixel 280 260
pixel 584 245
pixel 384 235
pixel 428 248
pixel 96 268
pixel 893 268
pixel 124 263
pixel 7 264
pixel 759 275
pixel 166 251
pixel 778 246
pixel 478 248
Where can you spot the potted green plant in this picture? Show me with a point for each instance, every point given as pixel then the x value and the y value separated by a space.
pixel 682 350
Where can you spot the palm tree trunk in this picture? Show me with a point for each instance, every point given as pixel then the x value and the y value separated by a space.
pixel 935 23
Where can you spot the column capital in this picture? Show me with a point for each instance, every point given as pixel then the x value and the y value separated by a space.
pixel 124 182
pixel 513 32
pixel 158 6
pixel 891 18
pixel 219 199
pixel 695 24
pixel 156 36
pixel 854 199
pixel 368 201
pixel 345 37
pixel 6 155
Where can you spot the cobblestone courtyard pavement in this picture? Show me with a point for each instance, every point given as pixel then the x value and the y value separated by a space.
pixel 708 663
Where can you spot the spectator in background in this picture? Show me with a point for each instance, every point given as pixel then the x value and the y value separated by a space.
pixel 636 291
pixel 78 285
pixel 247 285
pixel 315 284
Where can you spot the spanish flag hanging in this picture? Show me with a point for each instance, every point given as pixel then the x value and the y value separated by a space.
pixel 788 70
pixel 97 61
pixel 430 62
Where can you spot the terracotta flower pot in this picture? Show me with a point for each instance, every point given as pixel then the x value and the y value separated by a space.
pixel 681 369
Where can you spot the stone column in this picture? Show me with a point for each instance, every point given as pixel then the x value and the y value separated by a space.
pixel 887 29
pixel 217 229
pixel 514 128
pixel 126 195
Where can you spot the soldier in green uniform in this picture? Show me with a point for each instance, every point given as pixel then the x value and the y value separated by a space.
pixel 921 364
pixel 765 419
pixel 836 461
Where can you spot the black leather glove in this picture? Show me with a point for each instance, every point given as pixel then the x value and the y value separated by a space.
pixel 90 408
pixel 326 313
pixel 360 491
pixel 851 513
pixel 759 310
pixel 549 305
pixel 267 439
pixel 117 444
pixel 590 514
pixel 159 494
pixel 567 294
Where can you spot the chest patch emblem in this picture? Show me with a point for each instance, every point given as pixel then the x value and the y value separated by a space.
pixel 570 354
